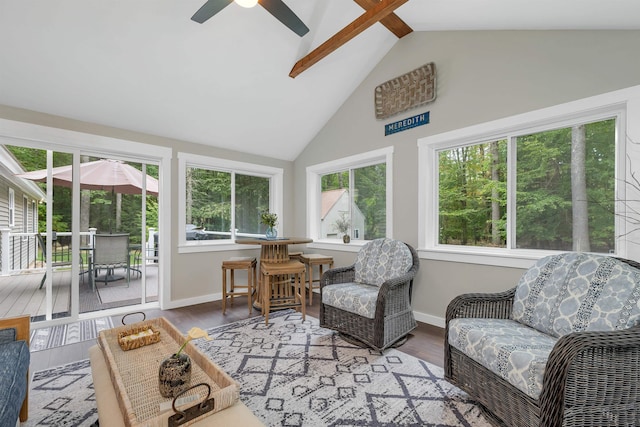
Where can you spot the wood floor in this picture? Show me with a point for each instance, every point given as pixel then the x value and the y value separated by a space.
pixel 426 342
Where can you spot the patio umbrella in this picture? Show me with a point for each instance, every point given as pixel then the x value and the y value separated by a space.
pixel 104 174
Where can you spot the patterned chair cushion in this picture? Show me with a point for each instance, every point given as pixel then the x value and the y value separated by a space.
pixel 14 364
pixel 355 298
pixel 574 292
pixel 7 335
pixel 515 352
pixel 381 260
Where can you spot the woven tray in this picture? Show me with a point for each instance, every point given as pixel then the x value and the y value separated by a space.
pixel 134 374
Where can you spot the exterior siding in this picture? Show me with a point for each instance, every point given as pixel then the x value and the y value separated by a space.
pixel 22 248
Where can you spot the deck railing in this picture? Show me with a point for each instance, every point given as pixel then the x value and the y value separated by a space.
pixel 23 251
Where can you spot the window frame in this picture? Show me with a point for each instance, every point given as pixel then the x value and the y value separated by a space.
pixel 314 178
pixel 12 207
pixel 612 105
pixel 25 213
pixel 276 190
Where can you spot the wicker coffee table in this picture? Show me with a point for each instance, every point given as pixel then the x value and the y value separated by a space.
pixel 126 383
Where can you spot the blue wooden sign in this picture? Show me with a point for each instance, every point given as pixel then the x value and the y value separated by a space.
pixel 408 123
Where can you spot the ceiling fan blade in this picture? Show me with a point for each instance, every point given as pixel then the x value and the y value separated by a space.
pixel 209 9
pixel 285 15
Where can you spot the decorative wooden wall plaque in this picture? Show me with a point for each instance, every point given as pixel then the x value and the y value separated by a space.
pixel 410 90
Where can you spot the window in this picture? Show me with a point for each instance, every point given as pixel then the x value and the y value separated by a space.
pixel 548 187
pixel 350 196
pixel 12 208
pixel 223 199
pixel 563 194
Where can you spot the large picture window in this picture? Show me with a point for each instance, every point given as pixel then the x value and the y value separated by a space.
pixel 564 190
pixel 526 187
pixel 350 197
pixel 223 199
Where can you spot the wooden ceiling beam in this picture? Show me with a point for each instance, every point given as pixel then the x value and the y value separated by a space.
pixel 370 17
pixel 392 21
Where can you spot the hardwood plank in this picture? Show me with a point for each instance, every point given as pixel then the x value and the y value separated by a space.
pixel 392 21
pixel 370 17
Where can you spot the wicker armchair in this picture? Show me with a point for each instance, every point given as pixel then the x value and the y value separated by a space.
pixel 389 316
pixel 591 378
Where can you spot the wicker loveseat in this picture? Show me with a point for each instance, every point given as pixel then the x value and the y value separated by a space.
pixel 371 299
pixel 562 348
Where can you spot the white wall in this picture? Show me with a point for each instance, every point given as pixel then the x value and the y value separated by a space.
pixel 481 76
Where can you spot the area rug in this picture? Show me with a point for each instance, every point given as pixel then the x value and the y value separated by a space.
pixel 71 333
pixel 63 396
pixel 292 373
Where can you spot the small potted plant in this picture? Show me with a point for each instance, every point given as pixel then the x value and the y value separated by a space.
pixel 270 220
pixel 342 226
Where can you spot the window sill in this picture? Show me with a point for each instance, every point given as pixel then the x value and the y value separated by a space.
pixel 213 247
pixel 484 256
pixel 333 245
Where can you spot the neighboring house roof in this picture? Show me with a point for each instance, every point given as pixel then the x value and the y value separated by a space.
pixel 329 199
pixel 9 167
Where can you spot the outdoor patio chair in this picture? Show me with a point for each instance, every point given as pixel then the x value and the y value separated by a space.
pixel 43 248
pixel 110 251
pixel 371 299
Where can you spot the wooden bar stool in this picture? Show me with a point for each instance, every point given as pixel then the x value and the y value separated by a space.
pixel 233 264
pixel 277 289
pixel 311 260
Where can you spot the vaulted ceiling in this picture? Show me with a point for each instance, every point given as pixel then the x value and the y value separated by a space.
pixel 144 65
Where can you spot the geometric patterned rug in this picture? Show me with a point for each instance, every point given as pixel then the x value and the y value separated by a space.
pixel 71 333
pixel 62 396
pixel 295 373
pixel 291 373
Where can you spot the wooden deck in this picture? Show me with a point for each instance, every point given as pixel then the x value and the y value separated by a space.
pixel 20 294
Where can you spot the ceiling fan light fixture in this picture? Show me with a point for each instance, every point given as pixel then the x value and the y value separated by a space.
pixel 246 3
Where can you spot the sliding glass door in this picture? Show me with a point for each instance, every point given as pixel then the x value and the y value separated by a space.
pixel 84 232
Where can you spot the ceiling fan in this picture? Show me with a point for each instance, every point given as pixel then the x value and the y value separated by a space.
pixel 275 7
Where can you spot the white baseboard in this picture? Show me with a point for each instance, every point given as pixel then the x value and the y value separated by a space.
pixel 429 319
pixel 193 301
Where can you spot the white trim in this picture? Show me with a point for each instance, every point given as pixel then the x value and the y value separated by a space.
pixel 611 104
pixel 8 162
pixel 314 173
pixel 360 160
pixel 430 319
pixel 186 302
pixel 276 192
pixel 49 138
pixel 353 246
pixel 25 213
pixel 484 256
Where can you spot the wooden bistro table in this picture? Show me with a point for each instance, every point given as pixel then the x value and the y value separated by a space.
pixel 273 251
